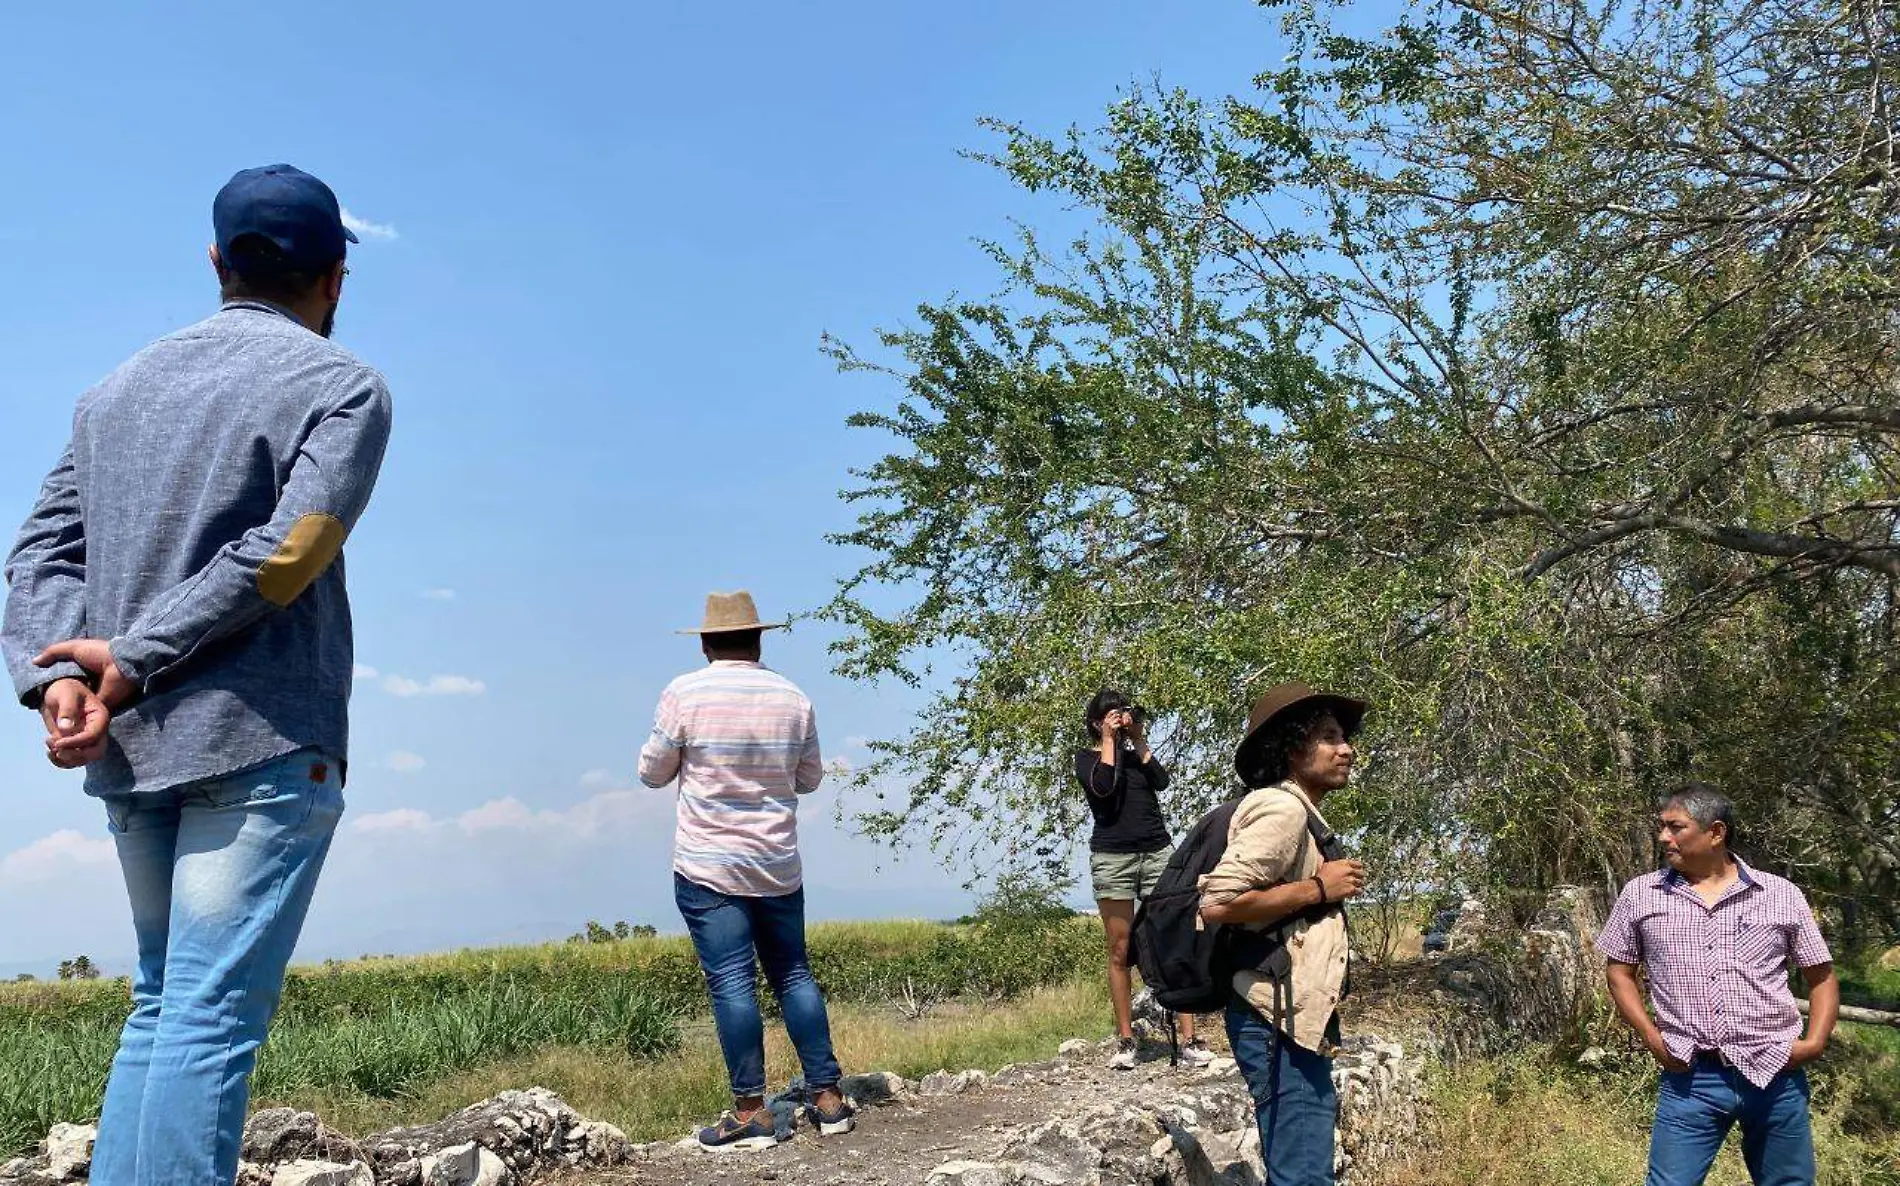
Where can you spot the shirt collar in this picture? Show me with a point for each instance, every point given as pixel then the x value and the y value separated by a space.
pixel 261 307
pixel 736 663
pixel 1299 792
pixel 1668 878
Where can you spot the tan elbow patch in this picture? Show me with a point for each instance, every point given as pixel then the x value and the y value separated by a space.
pixel 312 544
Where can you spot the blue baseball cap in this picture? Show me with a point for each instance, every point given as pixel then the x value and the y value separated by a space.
pixel 288 208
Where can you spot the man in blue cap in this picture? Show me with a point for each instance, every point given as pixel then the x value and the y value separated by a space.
pixel 176 613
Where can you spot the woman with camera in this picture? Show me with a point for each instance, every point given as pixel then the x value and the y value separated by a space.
pixel 1128 848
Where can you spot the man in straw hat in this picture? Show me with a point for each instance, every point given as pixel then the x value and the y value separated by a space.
pixel 1282 879
pixel 742 741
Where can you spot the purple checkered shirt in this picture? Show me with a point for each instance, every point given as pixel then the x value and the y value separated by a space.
pixel 1718 975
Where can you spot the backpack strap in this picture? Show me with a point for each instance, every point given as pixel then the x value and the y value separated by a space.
pixel 1266 951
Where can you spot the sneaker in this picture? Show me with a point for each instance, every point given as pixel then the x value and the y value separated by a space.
pixel 1196 1054
pixel 833 1122
pixel 1124 1057
pixel 758 1131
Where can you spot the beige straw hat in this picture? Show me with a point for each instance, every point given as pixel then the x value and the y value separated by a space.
pixel 727 612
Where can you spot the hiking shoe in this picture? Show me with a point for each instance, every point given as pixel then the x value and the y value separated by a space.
pixel 833 1122
pixel 1124 1057
pixel 1196 1054
pixel 758 1131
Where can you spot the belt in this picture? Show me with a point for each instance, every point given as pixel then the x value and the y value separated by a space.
pixel 1710 1058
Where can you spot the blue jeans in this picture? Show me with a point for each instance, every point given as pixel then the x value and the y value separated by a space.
pixel 726 930
pixel 1293 1099
pixel 1696 1108
pixel 220 875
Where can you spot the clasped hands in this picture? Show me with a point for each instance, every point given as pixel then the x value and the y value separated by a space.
pixel 77 712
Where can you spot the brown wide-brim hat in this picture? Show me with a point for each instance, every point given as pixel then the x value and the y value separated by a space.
pixel 1282 699
pixel 728 612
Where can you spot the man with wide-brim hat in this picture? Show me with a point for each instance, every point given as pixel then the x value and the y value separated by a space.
pixel 1284 879
pixel 741 741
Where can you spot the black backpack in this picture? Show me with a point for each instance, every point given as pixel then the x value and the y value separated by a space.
pixel 1189 965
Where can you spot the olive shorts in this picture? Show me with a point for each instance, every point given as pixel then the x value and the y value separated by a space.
pixel 1125 876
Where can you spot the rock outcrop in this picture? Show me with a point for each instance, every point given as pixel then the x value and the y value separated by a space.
pixel 498 1142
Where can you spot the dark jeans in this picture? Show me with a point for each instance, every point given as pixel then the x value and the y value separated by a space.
pixel 1697 1107
pixel 1293 1099
pixel 727 929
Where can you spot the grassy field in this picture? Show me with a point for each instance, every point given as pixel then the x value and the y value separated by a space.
pixel 384 1041
pixel 663 1098
pixel 619 1030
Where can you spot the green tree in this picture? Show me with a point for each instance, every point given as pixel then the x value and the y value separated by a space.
pixel 1529 367
pixel 80 967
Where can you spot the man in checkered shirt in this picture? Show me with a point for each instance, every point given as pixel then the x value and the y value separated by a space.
pixel 1716 938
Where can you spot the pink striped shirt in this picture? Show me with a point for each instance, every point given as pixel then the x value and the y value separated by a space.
pixel 743 742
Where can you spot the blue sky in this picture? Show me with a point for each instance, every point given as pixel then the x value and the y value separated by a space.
pixel 604 242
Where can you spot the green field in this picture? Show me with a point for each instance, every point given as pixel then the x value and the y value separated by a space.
pixel 619 1030
pixel 381 1040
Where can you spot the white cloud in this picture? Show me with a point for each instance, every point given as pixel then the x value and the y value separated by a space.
pixel 51 855
pixel 402 819
pixel 364 671
pixel 598 778
pixel 497 813
pixel 437 685
pixel 608 813
pixel 404 762
pixel 438 595
pixel 365 229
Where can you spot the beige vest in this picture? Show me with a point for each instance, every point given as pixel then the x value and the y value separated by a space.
pixel 1268 845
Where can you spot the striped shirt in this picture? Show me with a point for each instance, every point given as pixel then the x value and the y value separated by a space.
pixel 1718 975
pixel 743 742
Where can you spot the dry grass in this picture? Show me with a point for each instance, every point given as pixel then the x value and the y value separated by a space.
pixel 665 1097
pixel 1524 1120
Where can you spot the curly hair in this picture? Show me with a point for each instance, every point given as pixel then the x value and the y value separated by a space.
pixel 1284 738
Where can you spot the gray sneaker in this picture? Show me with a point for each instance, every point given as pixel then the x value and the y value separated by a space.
pixel 840 1120
pixel 1196 1054
pixel 1124 1057
pixel 757 1131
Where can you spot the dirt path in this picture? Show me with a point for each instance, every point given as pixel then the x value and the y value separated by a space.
pixel 902 1141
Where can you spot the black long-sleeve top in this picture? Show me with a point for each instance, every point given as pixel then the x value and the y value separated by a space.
pixel 1123 798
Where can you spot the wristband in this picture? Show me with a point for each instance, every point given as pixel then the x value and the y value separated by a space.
pixel 1322 889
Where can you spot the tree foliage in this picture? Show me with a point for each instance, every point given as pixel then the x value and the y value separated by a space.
pixel 1528 367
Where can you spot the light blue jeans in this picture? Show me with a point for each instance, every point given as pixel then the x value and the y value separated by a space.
pixel 220 875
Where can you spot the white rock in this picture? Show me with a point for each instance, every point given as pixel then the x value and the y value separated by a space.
pixel 945 1083
pixel 249 1174
pixel 465 1165
pixel 1231 1166
pixel 968 1173
pixel 322 1173
pixel 599 1142
pixel 1076 1048
pixel 68 1149
pixel 1057 1145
